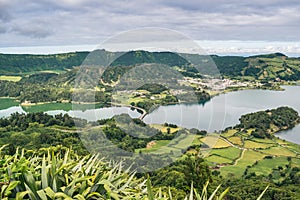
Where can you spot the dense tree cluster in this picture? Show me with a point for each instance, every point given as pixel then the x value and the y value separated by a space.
pixel 153 88
pixel 180 173
pixel 130 142
pixel 262 121
pixel 17 64
pixel 20 122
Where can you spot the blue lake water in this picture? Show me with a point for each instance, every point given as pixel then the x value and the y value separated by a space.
pixel 221 112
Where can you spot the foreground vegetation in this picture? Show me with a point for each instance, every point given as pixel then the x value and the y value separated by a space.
pixel 236 159
pixel 58 173
pixel 245 158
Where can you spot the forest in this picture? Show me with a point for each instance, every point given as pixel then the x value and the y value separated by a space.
pixel 261 67
pixel 46 157
pixel 39 133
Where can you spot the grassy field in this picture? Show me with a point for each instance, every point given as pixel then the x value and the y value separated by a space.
pixel 257 145
pixel 7 103
pixel 295 162
pixel 279 151
pixel 229 132
pixel 215 142
pixel 249 158
pixel 176 145
pixel 218 159
pixel 158 144
pixel 234 160
pixel 235 140
pixel 293 147
pixel 197 140
pixel 265 166
pixel 59 106
pixel 10 78
pixel 48 107
pixel 163 128
pixel 231 153
pixel 265 140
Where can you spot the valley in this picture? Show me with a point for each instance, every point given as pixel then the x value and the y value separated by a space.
pixel 189 116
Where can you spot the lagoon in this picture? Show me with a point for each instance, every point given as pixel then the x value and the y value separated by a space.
pixel 222 111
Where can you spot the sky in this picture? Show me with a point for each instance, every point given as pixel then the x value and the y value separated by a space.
pixel 221 27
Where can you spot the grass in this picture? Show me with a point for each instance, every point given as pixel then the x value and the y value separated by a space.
pixel 197 140
pixel 249 158
pixel 265 166
pixel 281 142
pixel 293 147
pixel 256 145
pixel 250 130
pixel 231 153
pixel 235 140
pixel 265 140
pixel 182 141
pixel 10 78
pixel 229 132
pixel 218 159
pixel 47 107
pixel 7 103
pixel 295 162
pixel 176 145
pixel 215 142
pixel 279 151
pixel 158 144
pixel 59 106
pixel 163 128
pixel 172 130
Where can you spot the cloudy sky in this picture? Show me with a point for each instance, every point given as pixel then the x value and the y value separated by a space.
pixel 236 26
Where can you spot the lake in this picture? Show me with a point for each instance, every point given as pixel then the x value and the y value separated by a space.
pixel 225 110
pixel 221 112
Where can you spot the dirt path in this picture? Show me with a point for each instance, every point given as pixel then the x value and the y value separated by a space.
pixel 233 145
pixel 241 157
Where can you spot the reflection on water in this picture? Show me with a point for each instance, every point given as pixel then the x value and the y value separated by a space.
pixel 221 112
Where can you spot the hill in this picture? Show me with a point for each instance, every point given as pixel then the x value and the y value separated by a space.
pixel 13 64
pixel 260 67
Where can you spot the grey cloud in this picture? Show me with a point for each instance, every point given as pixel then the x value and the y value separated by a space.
pixel 88 21
pixel 4 13
pixel 2 29
pixel 32 31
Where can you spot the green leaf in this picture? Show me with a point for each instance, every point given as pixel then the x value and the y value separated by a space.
pixel 30 192
pixel 93 194
pixel 42 194
pixel 149 189
pixel 262 194
pixel 191 193
pixel 223 194
pixel 12 185
pixel 30 181
pixel 212 196
pixel 79 196
pixel 44 174
pixel 170 194
pixel 62 195
pixel 21 195
pixel 49 192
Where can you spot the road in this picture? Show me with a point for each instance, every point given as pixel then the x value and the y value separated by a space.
pixel 144 112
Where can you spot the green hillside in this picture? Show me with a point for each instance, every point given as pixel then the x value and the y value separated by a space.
pixel 260 67
pixel 12 64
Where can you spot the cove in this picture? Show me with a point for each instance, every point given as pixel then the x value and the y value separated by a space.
pixel 225 110
pixel 220 112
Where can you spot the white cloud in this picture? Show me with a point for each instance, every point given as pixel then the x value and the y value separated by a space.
pixel 66 22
